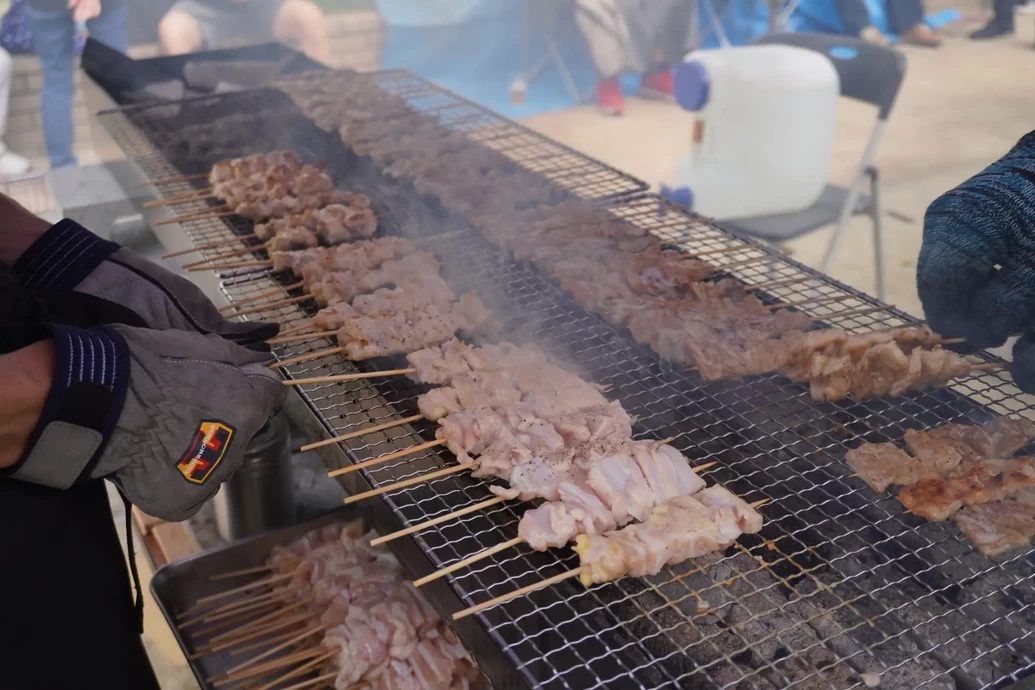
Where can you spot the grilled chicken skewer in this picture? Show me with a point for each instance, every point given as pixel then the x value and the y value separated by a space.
pixel 962 472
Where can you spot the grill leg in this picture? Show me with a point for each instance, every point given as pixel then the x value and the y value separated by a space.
pixel 877 213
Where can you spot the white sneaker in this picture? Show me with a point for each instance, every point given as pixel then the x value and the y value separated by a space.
pixel 12 165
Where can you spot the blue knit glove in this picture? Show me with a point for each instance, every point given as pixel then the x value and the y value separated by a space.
pixel 976 273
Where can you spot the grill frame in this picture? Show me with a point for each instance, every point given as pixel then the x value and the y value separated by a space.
pixel 566 651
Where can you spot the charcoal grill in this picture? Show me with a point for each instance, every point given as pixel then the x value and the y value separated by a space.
pixel 840 589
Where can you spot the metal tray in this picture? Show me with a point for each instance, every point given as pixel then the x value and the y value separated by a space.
pixel 178 585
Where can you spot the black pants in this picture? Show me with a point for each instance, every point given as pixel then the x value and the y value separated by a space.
pixel 903 15
pixel 66 606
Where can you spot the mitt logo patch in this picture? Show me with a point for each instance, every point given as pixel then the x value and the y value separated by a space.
pixel 206 450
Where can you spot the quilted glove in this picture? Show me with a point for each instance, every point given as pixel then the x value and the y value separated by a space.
pixel 976 272
pixel 164 415
pixel 70 257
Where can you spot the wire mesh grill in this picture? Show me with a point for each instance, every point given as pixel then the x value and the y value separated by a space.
pixel 840 584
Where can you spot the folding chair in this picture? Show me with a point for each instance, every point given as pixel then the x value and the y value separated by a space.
pixel 868 73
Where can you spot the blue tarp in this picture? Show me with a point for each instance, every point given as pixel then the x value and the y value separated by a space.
pixel 475 47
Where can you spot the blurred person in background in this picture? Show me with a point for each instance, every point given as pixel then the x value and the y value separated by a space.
pixel 1001 23
pixel 193 25
pixel 630 36
pixel 53 24
pixel 905 20
pixel 11 164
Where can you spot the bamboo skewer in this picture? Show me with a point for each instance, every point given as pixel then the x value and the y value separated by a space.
pixel 325 679
pixel 261 295
pixel 301 338
pixel 278 663
pixel 988 366
pixel 210 245
pixel 488 503
pixel 410 482
pixel 300 670
pixel 234 605
pixel 193 195
pixel 264 630
pixel 385 458
pixel 170 180
pixel 253 631
pixel 298 638
pixel 468 561
pixel 295 329
pixel 273 305
pixel 350 377
pixel 560 577
pixel 238 252
pixel 361 432
pixel 499 547
pixel 208 618
pixel 236 650
pixel 231 267
pixel 319 354
pixel 273 579
pixel 235 622
pixel 238 573
pixel 193 215
pixel 528 589
pixel 280 613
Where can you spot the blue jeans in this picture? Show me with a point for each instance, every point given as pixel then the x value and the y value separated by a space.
pixel 53 34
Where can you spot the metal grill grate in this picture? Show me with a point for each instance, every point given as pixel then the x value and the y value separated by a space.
pixel 838 584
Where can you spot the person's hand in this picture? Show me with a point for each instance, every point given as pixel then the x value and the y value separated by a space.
pixel 84 10
pixel 164 415
pixel 69 257
pixel 976 272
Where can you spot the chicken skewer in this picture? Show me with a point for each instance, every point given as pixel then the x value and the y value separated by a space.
pixel 332 225
pixel 961 472
pixel 365 613
pixel 691 537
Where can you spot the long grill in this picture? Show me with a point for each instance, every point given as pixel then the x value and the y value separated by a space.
pixel 839 589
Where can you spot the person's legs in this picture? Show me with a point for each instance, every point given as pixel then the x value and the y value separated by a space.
pixel 906 19
pixel 1002 21
pixel 179 33
pixel 302 22
pixel 109 28
pixel 854 16
pixel 10 163
pixel 603 27
pixel 53 35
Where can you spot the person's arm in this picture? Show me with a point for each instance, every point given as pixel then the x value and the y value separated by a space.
pixel 66 257
pixel 26 374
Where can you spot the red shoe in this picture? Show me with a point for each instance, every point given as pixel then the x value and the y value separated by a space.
pixel 657 85
pixel 609 97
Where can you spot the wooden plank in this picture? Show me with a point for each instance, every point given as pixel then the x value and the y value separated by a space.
pixel 173 541
pixel 144 521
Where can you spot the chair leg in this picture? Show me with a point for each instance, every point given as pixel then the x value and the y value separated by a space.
pixel 877 213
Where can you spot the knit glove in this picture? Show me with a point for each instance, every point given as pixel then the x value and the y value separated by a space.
pixel 165 415
pixel 69 257
pixel 976 273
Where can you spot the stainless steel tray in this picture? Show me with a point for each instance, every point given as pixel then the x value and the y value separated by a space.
pixel 178 585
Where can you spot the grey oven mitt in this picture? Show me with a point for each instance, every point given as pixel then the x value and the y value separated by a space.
pixel 70 257
pixel 165 415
